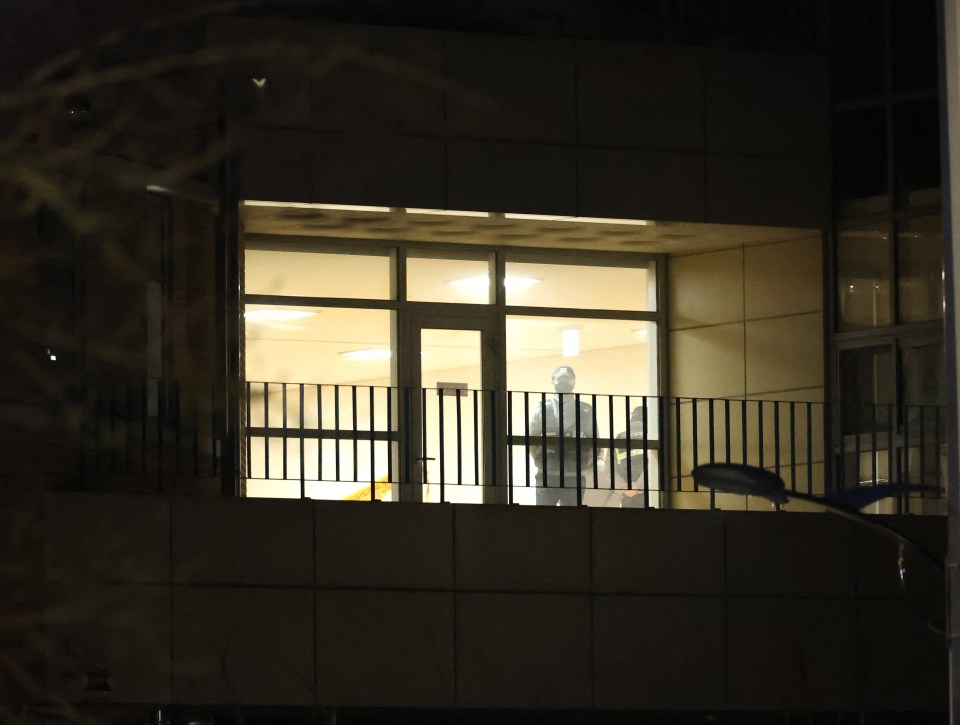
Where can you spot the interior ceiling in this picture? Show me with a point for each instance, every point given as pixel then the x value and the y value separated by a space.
pixel 655 237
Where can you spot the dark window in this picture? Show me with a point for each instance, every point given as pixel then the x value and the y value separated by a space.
pixel 916 127
pixel 857 48
pixel 859 154
pixel 914 27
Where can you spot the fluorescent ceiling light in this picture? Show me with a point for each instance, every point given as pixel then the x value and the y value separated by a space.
pixel 581 219
pixel 331 207
pixel 482 281
pixel 447 212
pixel 570 345
pixel 272 314
pixel 370 353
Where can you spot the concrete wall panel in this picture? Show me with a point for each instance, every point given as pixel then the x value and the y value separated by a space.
pixel 384 545
pixel 790 555
pixel 642 184
pixel 494 176
pixel 640 95
pixel 243 646
pixel 783 279
pixel 385 648
pixel 114 637
pixel 523 548
pixel 510 88
pixel 523 651
pixel 631 552
pixel 659 653
pixel 107 538
pixel 242 541
pixel 791 654
pixel 382 170
pixel 765 103
pixel 767 190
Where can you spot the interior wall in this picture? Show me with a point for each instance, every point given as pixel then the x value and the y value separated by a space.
pixel 747 324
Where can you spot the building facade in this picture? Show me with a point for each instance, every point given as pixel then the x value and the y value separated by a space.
pixel 337 252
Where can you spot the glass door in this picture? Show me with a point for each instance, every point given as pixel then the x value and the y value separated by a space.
pixel 450 364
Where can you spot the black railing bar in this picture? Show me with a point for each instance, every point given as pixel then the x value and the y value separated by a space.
pixel 511 457
pixel 440 443
pixel 266 426
pixel 318 431
pixel 712 428
pixel 423 437
pixel 526 436
pixel 726 428
pixel 628 436
pixel 579 449
pixel 678 446
pixel 744 419
pixel 336 426
pixel 873 444
pixel 477 438
pixel 356 444
pixel 776 436
pixel 793 446
pixel 389 396
pixel 373 447
pixel 543 437
pixel 810 447
pixel 325 434
pixel 458 409
pixel 593 428
pixel 646 456
pixel 560 462
pixel 283 402
pixel 695 446
pixel 303 460
pixel 613 461
pixel 759 433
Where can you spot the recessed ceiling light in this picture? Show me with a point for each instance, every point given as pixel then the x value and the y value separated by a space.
pixel 272 314
pixel 370 353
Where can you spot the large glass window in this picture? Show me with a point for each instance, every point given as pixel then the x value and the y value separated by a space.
pixel 449 278
pixel 580 286
pixel 317 274
pixel 318 344
pixel 863 277
pixel 920 269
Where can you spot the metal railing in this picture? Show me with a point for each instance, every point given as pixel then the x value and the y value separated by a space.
pixel 387 443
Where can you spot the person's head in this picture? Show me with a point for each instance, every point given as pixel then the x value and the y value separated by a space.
pixel 564 379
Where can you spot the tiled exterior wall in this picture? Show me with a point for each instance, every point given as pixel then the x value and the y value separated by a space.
pixel 246 602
